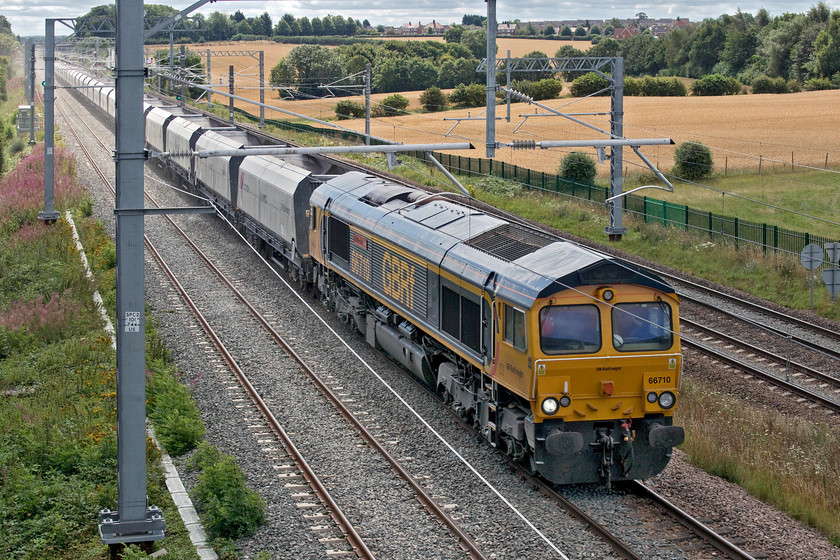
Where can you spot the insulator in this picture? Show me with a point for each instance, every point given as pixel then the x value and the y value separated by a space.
pixel 519 95
pixel 524 145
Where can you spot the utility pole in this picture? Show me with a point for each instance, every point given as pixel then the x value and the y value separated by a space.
pixel 262 89
pixel 230 90
pixel 49 215
pixel 367 104
pixel 491 78
pixel 134 521
pixel 30 88
pixel 182 87
pixel 209 80
pixel 616 229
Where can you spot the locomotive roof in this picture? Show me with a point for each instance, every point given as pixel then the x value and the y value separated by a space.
pixel 519 263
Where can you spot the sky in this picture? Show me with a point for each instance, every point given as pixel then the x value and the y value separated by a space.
pixel 27 16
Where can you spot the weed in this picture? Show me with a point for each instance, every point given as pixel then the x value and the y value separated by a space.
pixel 228 508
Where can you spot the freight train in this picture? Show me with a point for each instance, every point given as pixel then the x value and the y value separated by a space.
pixel 566 359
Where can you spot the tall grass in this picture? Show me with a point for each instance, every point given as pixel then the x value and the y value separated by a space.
pixel 783 459
pixel 22 190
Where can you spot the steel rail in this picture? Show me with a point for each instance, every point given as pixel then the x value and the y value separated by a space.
pixel 801 323
pixel 833 381
pixel 728 549
pixel 752 370
pixel 354 539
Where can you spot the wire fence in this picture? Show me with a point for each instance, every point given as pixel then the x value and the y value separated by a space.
pixel 765 237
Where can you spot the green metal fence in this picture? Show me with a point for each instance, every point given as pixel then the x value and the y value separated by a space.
pixel 726 229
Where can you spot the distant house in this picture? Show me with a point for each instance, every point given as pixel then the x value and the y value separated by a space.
pixel 625 32
pixel 659 30
pixel 436 28
pixel 506 29
pixel 410 28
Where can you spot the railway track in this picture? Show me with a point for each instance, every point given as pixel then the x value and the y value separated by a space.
pixel 755 363
pixel 631 556
pixel 355 541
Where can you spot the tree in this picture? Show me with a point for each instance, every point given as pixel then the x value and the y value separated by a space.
pixel 329 28
pixel 588 84
pixel 453 34
pixel 307 66
pixel 692 160
pixel 716 84
pixel 433 99
pixel 476 41
pixel 238 16
pixel 580 31
pixel 346 109
pixel 305 26
pixel 549 30
pixel 566 31
pixel 578 167
pixel 473 95
pixel 266 24
pixel 317 26
pixel 282 28
pixel 394 105
pixel 594 30
pixel 219 26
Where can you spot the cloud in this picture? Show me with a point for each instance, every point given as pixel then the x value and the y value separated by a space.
pixel 27 18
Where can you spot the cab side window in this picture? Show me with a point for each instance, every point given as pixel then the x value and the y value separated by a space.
pixel 515 327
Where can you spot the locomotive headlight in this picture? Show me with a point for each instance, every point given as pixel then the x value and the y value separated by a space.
pixel 606 294
pixel 667 399
pixel 651 397
pixel 565 401
pixel 550 406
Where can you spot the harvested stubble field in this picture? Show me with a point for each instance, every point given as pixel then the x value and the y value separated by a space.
pixel 746 132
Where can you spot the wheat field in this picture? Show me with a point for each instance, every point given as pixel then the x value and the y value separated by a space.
pixel 745 132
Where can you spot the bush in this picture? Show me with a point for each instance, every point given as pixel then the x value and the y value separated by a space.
pixel 176 419
pixel 498 187
pixel 433 99
pixel 228 508
pixel 346 109
pixel 766 84
pixel 794 86
pixel 588 84
pixel 548 88
pixel 393 105
pixel 578 167
pixel 662 87
pixel 815 84
pixel 716 84
pixel 473 95
pixel 692 160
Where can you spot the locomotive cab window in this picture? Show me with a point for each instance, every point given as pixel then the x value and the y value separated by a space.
pixel 642 327
pixel 313 218
pixel 515 327
pixel 570 329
